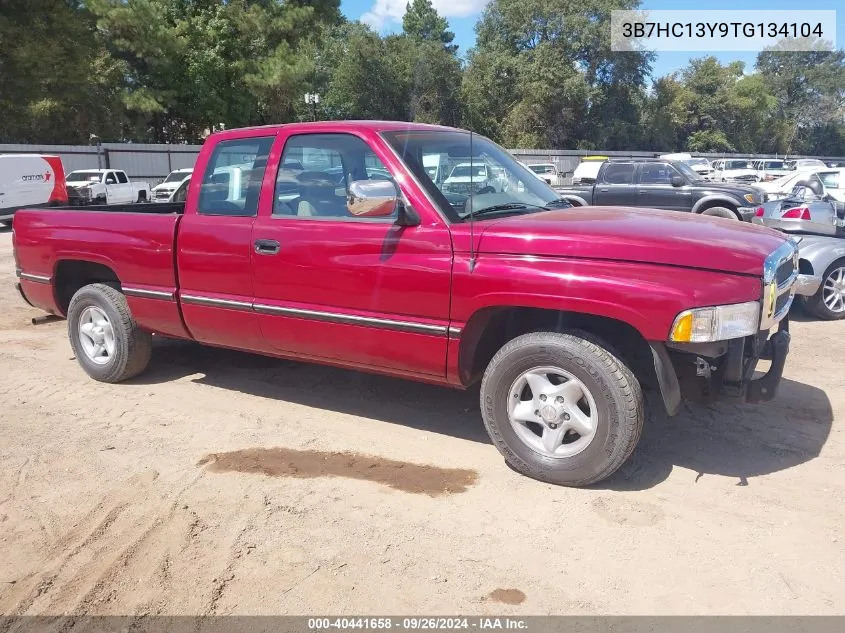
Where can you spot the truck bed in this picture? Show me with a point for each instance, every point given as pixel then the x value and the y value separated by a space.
pixel 138 243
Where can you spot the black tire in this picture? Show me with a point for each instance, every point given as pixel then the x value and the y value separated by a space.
pixel 132 345
pixel 721 212
pixel 142 196
pixel 815 305
pixel 614 388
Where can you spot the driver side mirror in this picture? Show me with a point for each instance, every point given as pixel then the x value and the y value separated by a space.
pixel 378 199
pixel 677 181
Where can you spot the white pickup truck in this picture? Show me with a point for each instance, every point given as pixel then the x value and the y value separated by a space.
pixel 105 186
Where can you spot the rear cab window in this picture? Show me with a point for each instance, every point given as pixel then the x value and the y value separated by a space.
pixel 231 184
pixel 618 174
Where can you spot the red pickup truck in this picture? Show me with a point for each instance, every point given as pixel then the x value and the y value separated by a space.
pixel 335 242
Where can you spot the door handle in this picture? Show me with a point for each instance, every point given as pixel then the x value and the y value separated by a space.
pixel 267 247
pixel 642 193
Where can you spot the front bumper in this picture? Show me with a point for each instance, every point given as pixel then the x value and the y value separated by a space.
pixel 747 213
pixel 807 285
pixel 710 372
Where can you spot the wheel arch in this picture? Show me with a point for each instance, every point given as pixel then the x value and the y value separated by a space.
pixel 489 328
pixel 71 274
pixel 708 202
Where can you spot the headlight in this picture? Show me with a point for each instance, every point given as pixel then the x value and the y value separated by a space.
pixel 717 323
pixel 749 197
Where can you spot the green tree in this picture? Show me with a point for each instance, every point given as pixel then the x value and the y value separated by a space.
pixel 809 88
pixel 543 75
pixel 421 21
pixel 57 82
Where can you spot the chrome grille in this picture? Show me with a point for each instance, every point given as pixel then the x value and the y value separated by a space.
pixel 780 272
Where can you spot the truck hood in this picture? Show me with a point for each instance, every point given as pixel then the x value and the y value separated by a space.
pixel 737 190
pixel 634 235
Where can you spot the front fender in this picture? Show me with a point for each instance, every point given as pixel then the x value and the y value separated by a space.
pixel 820 252
pixel 647 297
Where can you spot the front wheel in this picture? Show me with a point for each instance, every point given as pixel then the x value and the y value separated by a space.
pixel 829 301
pixel 561 408
pixel 106 340
pixel 721 212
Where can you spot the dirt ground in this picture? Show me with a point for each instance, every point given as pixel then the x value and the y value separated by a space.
pixel 213 484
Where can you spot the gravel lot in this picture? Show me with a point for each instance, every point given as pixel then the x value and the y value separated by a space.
pixel 208 486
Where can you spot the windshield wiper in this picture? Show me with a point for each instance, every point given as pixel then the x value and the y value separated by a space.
pixel 507 206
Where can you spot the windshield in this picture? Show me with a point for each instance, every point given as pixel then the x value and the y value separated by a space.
pixel 737 164
pixel 703 162
pixel 81 176
pixel 177 176
pixel 510 186
pixel 773 164
pixel 469 170
pixel 687 171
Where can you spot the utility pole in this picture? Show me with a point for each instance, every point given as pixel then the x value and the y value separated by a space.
pixel 312 99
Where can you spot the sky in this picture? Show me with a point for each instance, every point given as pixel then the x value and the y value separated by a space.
pixel 385 16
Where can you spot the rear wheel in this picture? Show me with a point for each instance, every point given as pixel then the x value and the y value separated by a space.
pixel 561 408
pixel 142 196
pixel 829 301
pixel 721 212
pixel 106 340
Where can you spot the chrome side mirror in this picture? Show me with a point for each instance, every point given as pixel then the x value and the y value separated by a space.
pixel 372 198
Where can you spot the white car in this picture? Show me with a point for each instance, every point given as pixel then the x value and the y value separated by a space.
pixel 467 178
pixel 701 166
pixel 30 180
pixel 105 186
pixel 804 164
pixel 833 180
pixel 770 169
pixel 735 170
pixel 548 173
pixel 162 191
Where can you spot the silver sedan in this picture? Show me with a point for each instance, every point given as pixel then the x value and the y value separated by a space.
pixel 807 209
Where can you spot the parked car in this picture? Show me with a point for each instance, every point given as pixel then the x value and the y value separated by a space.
pixel 470 177
pixel 701 166
pixel 781 187
pixel 564 315
pixel 803 164
pixel 728 170
pixel 105 186
pixel 587 170
pixel 833 180
pixel 808 208
pixel 30 180
pixel 770 169
pixel 548 173
pixel 667 185
pixel 825 257
pixel 162 192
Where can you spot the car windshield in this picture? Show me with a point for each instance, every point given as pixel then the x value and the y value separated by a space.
pixel 540 169
pixel 510 188
pixel 469 170
pixel 687 171
pixel 177 176
pixel 773 164
pixel 737 164
pixel 83 176
pixel 697 161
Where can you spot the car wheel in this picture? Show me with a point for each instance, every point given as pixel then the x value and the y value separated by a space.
pixel 561 407
pixel 106 340
pixel 721 212
pixel 829 301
